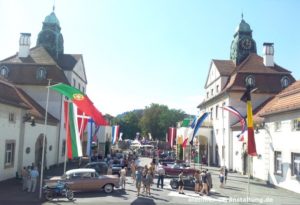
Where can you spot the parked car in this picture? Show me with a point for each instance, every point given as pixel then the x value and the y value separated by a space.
pixel 116 167
pixel 175 169
pixel 100 167
pixel 189 183
pixel 84 179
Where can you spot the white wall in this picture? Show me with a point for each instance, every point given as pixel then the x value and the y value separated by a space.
pixel 9 131
pixel 286 141
pixel 31 135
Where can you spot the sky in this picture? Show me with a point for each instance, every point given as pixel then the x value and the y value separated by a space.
pixel 138 52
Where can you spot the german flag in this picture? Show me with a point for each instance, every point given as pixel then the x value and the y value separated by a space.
pixel 251 140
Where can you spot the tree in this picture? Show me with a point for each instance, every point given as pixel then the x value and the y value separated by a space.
pixel 129 123
pixel 158 118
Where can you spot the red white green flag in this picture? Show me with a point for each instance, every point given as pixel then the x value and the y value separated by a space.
pixel 81 100
pixel 74 148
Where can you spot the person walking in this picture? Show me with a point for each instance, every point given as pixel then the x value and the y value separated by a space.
pixel 197 181
pixel 144 174
pixel 123 177
pixel 133 170
pixel 34 174
pixel 225 173
pixel 29 181
pixel 149 180
pixel 24 174
pixel 161 174
pixel 204 183
pixel 180 183
pixel 138 180
pixel 221 176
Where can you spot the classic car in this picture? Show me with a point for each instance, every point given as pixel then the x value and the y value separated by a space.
pixel 175 169
pixel 84 179
pixel 189 182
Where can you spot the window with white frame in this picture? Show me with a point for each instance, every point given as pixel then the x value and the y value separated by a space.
pixel 277 126
pixel 217 112
pixel 296 124
pixel 211 113
pixel 277 163
pixel 9 153
pixel 217 89
pixel 212 92
pixel 11 117
pixel 207 95
pixel 295 164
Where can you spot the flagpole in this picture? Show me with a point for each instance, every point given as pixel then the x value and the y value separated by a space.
pixel 248 186
pixel 44 136
pixel 67 135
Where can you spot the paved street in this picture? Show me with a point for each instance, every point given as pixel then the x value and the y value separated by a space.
pixel 235 192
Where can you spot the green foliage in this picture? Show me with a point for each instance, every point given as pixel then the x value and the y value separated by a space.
pixel 157 119
pixel 154 119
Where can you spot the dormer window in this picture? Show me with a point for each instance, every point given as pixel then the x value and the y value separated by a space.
pixel 41 73
pixel 4 71
pixel 285 82
pixel 250 81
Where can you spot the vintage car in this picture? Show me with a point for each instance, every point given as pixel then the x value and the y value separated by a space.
pixel 189 182
pixel 84 179
pixel 175 169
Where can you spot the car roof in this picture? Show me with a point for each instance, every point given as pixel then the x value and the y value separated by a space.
pixel 80 170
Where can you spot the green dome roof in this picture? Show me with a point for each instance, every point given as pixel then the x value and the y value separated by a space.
pixel 243 27
pixel 52 19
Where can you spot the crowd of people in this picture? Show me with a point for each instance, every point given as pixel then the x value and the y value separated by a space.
pixel 143 178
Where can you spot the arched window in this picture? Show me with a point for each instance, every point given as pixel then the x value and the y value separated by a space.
pixel 285 82
pixel 4 71
pixel 250 81
pixel 41 73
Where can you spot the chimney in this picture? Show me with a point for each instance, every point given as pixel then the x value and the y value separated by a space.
pixel 268 54
pixel 24 45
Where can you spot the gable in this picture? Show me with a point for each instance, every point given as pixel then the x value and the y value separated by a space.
pixel 79 70
pixel 213 75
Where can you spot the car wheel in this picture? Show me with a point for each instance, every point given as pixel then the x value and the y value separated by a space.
pixel 174 184
pixel 108 188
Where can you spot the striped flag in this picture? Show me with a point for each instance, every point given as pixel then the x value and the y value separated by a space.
pixel 171 135
pixel 251 140
pixel 74 148
pixel 198 124
pixel 115 134
pixel 241 119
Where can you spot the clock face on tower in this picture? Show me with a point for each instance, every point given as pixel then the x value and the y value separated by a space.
pixel 246 43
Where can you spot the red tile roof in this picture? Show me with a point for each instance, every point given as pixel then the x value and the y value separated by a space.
pixel 267 79
pixel 15 96
pixel 286 100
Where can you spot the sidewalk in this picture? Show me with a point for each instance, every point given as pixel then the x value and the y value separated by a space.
pixel 11 190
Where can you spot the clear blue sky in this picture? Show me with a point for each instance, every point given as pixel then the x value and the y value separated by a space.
pixel 138 52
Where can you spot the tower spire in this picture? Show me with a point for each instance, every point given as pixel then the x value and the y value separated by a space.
pixel 53 8
pixel 242 16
